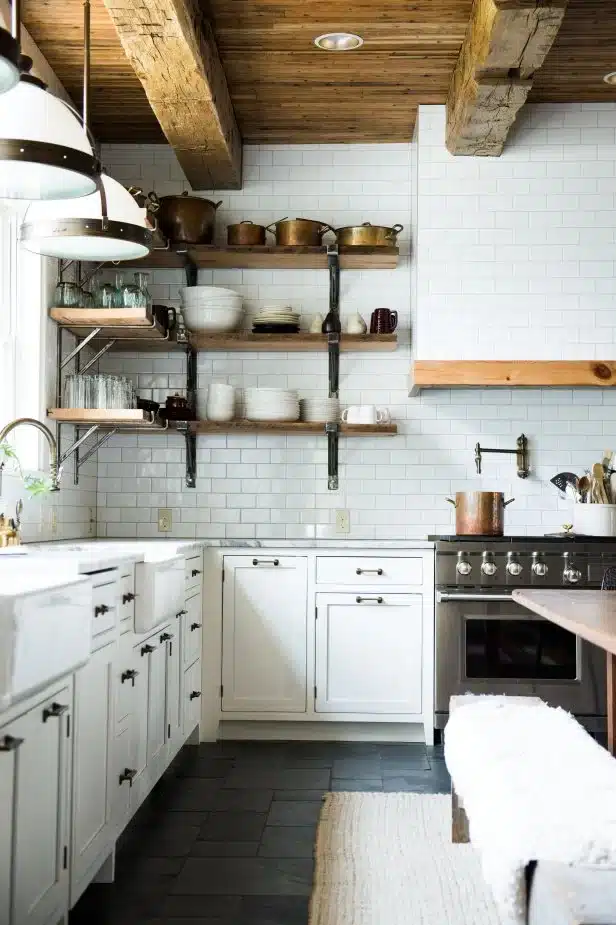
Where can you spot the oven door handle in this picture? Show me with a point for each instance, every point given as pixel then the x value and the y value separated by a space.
pixel 443 596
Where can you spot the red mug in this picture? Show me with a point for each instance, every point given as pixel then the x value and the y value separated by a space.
pixel 383 321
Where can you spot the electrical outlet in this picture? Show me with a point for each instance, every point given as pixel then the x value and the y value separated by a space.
pixel 165 520
pixel 343 521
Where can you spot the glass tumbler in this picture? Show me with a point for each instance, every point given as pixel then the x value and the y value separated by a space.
pixel 68 295
pixel 105 295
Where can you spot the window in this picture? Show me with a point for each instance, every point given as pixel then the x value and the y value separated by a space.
pixel 23 340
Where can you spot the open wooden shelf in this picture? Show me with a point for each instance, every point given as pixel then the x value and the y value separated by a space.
pixel 134 324
pixel 269 257
pixel 135 419
pixel 291 427
pixel 291 343
pixel 464 374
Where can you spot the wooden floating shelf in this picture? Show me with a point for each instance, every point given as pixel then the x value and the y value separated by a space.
pixel 292 343
pixel 135 419
pixel 269 257
pixel 290 427
pixel 135 324
pixel 464 374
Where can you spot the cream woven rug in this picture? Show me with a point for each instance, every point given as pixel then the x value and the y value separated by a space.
pixel 387 859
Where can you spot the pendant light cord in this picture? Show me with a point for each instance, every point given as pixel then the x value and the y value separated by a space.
pixel 86 64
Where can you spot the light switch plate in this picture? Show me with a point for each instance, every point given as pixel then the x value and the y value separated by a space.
pixel 165 520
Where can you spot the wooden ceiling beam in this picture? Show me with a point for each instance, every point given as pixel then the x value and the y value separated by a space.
pixel 171 47
pixel 505 43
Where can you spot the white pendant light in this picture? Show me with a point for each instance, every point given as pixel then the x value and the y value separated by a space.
pixel 109 225
pixel 45 152
pixel 9 61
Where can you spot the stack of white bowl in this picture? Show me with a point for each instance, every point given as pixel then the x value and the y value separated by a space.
pixel 319 410
pixel 220 402
pixel 211 308
pixel 271 405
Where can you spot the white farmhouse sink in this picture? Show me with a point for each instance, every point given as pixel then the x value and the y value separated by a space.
pixel 45 627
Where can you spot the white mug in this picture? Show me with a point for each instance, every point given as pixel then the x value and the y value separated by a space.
pixel 365 414
pixel 220 402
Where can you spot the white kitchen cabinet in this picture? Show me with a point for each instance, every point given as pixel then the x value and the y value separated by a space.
pixel 264 652
pixel 191 630
pixel 156 713
pixel 191 698
pixel 35 762
pixel 93 766
pixel 173 703
pixel 369 653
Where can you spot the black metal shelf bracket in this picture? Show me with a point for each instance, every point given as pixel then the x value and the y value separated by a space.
pixel 333 353
pixel 332 429
pixel 190 438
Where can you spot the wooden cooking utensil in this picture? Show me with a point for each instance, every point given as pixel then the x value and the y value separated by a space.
pixel 599 477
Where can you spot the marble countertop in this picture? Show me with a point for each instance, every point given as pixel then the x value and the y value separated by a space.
pixel 338 543
pixel 589 614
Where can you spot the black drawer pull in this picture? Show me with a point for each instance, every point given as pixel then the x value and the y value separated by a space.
pixel 195 626
pixel 127 598
pixel 129 675
pixel 145 650
pixel 100 609
pixel 368 571
pixel 10 743
pixel 181 613
pixel 266 561
pixel 56 709
pixel 195 572
pixel 165 637
pixel 195 694
pixel 128 774
pixel 361 600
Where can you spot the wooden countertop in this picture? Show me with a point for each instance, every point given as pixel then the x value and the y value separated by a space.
pixel 589 614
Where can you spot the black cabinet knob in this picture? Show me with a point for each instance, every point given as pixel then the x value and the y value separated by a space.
pixel 195 694
pixel 165 637
pixel 195 572
pixel 127 598
pixel 56 709
pixel 100 609
pixel 10 743
pixel 128 774
pixel 129 675
pixel 195 626
pixel 145 650
pixel 181 613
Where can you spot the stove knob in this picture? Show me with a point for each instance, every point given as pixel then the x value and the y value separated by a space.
pixel 463 566
pixel 488 566
pixel 513 566
pixel 572 575
pixel 538 567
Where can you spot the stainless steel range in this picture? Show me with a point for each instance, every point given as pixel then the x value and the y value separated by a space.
pixel 486 643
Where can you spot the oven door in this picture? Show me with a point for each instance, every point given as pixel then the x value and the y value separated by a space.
pixel 488 644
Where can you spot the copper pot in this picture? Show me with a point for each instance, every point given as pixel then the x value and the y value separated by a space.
pixel 368 235
pixel 246 233
pixel 187 219
pixel 299 231
pixel 480 513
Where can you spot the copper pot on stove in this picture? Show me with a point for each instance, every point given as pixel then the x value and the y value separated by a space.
pixel 480 513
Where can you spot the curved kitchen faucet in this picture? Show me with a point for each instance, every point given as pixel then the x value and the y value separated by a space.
pixel 51 440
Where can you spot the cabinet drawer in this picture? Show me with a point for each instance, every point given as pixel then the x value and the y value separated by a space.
pixel 192 697
pixel 193 573
pixel 369 570
pixel 191 630
pixel 127 601
pixel 104 613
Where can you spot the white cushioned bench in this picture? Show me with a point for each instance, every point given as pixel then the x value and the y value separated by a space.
pixel 533 791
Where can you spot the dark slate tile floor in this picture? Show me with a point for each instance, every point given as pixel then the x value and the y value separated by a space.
pixel 228 839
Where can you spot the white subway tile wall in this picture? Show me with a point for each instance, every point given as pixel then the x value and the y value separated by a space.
pixel 276 487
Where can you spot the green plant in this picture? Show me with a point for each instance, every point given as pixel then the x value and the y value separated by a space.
pixel 35 485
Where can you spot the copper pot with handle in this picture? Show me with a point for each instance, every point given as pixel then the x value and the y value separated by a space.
pixel 246 233
pixel 480 513
pixel 299 232
pixel 187 219
pixel 368 235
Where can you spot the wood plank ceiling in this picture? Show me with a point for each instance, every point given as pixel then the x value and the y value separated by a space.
pixel 284 90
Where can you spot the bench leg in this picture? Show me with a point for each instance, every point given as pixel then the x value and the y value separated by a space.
pixel 611 702
pixel 459 821
pixel 563 895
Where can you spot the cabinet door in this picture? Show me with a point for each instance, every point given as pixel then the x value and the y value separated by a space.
pixel 191 630
pixel 368 653
pixel 172 693
pixel 93 765
pixel 191 698
pixel 264 634
pixel 157 669
pixel 40 834
pixel 8 767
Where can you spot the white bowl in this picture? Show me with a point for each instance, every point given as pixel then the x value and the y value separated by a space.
pixel 212 319
pixel 189 293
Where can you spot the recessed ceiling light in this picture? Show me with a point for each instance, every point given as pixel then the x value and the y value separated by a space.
pixel 610 78
pixel 338 41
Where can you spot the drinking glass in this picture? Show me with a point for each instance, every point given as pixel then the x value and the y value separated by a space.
pixel 87 299
pixel 119 290
pixel 105 295
pixel 136 295
pixel 68 295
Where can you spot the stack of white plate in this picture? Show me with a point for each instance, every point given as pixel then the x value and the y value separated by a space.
pixel 319 410
pixel 211 308
pixel 276 319
pixel 271 405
